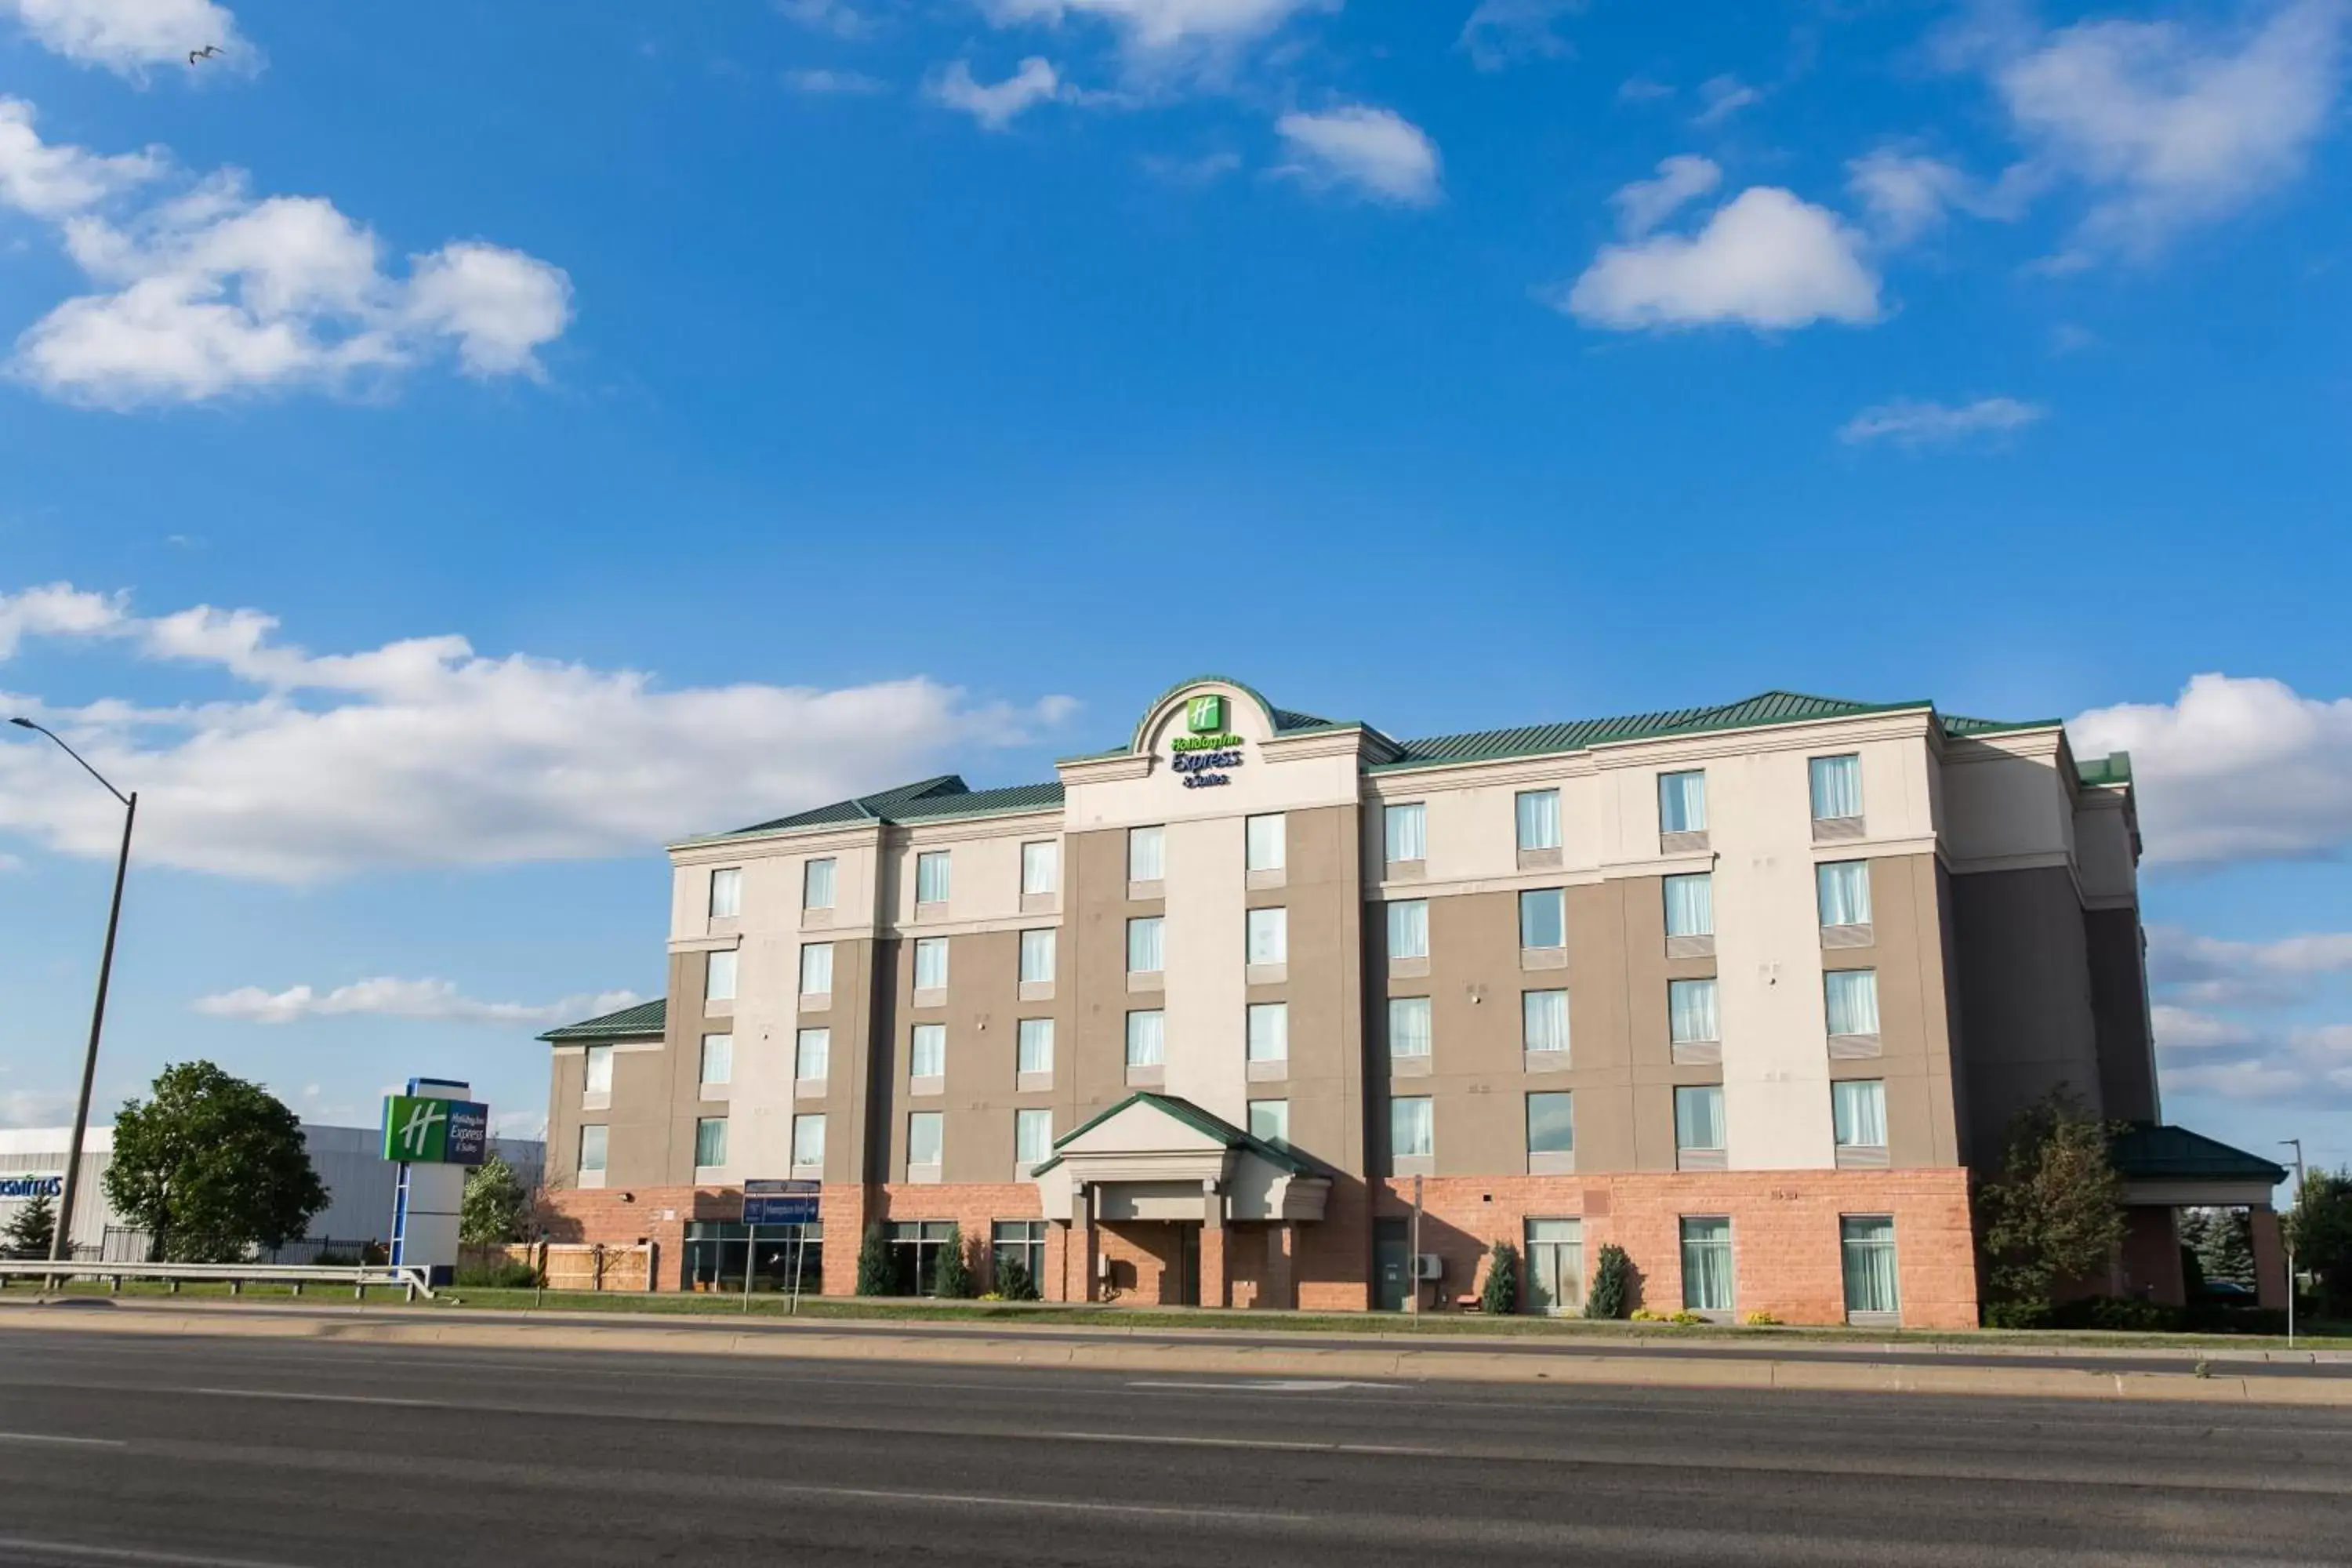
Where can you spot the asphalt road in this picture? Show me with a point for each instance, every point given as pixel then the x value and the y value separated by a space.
pixel 189 1453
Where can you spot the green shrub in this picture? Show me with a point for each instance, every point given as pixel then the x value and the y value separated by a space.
pixel 1013 1281
pixel 952 1276
pixel 1499 1297
pixel 499 1276
pixel 2115 1312
pixel 2016 1315
pixel 878 1271
pixel 1613 1284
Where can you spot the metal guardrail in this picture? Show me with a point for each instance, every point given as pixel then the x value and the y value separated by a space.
pixel 237 1276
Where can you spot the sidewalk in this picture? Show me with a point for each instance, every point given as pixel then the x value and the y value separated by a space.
pixel 2320 1378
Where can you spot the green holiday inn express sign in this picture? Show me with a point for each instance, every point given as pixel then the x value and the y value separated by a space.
pixel 1202 755
pixel 421 1131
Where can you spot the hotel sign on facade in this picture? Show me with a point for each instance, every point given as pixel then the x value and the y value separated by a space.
pixel 1207 749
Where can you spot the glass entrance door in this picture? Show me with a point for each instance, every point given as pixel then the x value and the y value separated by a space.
pixel 1556 1265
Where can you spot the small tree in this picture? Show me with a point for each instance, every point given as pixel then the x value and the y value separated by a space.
pixel 1611 1294
pixel 2321 1230
pixel 1013 1281
pixel 211 1165
pixel 495 1204
pixel 2056 1212
pixel 1499 1297
pixel 32 1230
pixel 2225 1245
pixel 951 1275
pixel 878 1271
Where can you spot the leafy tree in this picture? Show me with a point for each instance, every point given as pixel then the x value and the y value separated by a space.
pixel 31 1231
pixel 495 1206
pixel 2321 1229
pixel 2056 1212
pixel 1613 1284
pixel 952 1276
pixel 2224 1240
pixel 878 1271
pixel 1013 1281
pixel 211 1165
pixel 1499 1297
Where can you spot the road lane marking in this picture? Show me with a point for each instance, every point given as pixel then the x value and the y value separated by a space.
pixel 1279 1386
pixel 76 1551
pixel 74 1442
pixel 313 1398
pixel 1175 1440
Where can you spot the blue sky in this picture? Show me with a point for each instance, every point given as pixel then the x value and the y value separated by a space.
pixel 774 401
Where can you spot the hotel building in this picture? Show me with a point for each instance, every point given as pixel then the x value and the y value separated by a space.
pixel 1749 991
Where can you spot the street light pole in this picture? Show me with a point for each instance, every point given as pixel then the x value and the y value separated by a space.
pixel 60 1239
pixel 2295 1144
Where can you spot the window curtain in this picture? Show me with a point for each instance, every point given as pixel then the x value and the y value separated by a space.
pixel 1837 788
pixel 599 1069
pixel 1690 905
pixel 1690 1011
pixel 1270 1032
pixel 1408 929
pixel 1408 832
pixel 1266 843
pixel 1033 1136
pixel 1853 1001
pixel 1869 1247
pixel 718 976
pixel 1858 1111
pixel 726 894
pixel 717 1059
pixel 817 885
pixel 1036 957
pixel 1147 1039
pixel 1706 1265
pixel 1541 919
pixel 1408 1026
pixel 1539 819
pixel 1682 803
pixel 711 1140
pixel 931 878
pixel 810 1052
pixel 1409 1129
pixel 923 1128
pixel 817 969
pixel 1146 854
pixel 1844 892
pixel 592 1147
pixel 1698 1116
pixel 1143 945
pixel 1544 1019
pixel 808 1139
pixel 931 964
pixel 1036 1053
pixel 928 1055
pixel 1041 866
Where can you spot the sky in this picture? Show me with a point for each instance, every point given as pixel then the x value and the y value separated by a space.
pixel 445 457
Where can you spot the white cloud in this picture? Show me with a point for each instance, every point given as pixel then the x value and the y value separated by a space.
pixel 425 752
pixel 34 1108
pixel 1501 32
pixel 387 998
pixel 1909 424
pixel 2234 769
pixel 833 83
pixel 832 16
pixel 211 292
pixel 2185 1029
pixel 127 35
pixel 996 105
pixel 2211 972
pixel 1642 89
pixel 1722 97
pixel 1906 194
pixel 2171 126
pixel 1765 259
pixel 1645 204
pixel 1164 27
pixel 1376 152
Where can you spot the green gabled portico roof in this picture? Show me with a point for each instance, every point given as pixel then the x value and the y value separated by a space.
pixel 2151 1152
pixel 1192 1116
pixel 630 1022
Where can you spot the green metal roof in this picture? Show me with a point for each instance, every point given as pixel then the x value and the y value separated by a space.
pixel 1581 734
pixel 645 1018
pixel 923 801
pixel 2153 1152
pixel 1200 1121
pixel 2112 769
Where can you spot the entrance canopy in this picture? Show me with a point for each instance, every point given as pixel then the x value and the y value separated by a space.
pixel 1154 1156
pixel 2171 1167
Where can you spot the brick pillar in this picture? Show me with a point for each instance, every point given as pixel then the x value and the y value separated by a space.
pixel 1084 1247
pixel 1216 1278
pixel 842 1210
pixel 1056 1284
pixel 1281 1246
pixel 2270 1259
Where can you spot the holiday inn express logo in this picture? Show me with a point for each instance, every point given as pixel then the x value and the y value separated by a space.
pixel 421 1131
pixel 1205 715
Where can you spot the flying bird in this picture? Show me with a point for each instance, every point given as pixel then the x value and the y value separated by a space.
pixel 207 52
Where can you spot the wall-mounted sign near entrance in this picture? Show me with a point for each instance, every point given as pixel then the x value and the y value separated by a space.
pixel 32 1186
pixel 780 1201
pixel 1202 755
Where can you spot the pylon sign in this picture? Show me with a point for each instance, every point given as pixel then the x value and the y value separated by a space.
pixel 434 1131
pixel 419 1130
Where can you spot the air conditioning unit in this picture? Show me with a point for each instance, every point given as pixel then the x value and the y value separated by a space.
pixel 1428 1266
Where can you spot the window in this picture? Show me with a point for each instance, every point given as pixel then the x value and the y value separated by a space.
pixel 1270 1120
pixel 718 975
pixel 717 1059
pixel 1146 854
pixel 1681 802
pixel 1033 1136
pixel 1408 1027
pixel 1538 815
pixel 816 884
pixel 1408 929
pixel 1269 1031
pixel 1690 905
pixel 1698 1116
pixel 1147 1039
pixel 1706 1265
pixel 1845 888
pixel 812 1049
pixel 1543 1020
pixel 1551 1129
pixel 808 1140
pixel 710 1142
pixel 1036 957
pixel 1143 945
pixel 1555 1265
pixel 1269 936
pixel 1867 1243
pixel 1019 1244
pixel 930 963
pixel 924 1132
pixel 1041 868
pixel 914 1249
pixel 1858 1113
pixel 931 876
pixel 1543 920
pixel 592 1147
pixel 1852 998
pixel 1408 832
pixel 927 1051
pixel 1036 1051
pixel 1412 1130
pixel 817 969
pixel 599 1068
pixel 1268 842
pixel 726 894
pixel 1690 1011
pixel 1837 788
